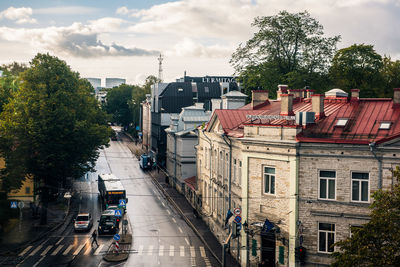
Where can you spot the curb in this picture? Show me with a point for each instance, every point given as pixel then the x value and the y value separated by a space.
pixel 125 243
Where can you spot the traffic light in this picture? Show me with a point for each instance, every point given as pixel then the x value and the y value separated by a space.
pixel 254 247
pixel 300 253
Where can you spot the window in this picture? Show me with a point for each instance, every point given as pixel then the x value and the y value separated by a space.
pixel 27 190
pixel 385 125
pixel 240 172
pixel 226 166
pixel 234 171
pixel 221 164
pixel 327 185
pixel 180 89
pixel 206 89
pixel 341 122
pixel 269 180
pixel 326 237
pixel 360 186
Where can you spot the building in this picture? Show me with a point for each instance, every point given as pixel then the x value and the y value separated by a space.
pixel 300 169
pixel 168 99
pixel 114 82
pixel 95 82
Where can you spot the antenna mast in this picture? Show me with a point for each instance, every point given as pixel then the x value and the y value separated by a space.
pixel 160 70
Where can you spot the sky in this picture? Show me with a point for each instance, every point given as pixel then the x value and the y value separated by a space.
pixel 123 38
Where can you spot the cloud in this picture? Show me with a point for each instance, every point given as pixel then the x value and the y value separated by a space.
pixel 77 40
pixel 191 48
pixel 19 15
pixel 66 10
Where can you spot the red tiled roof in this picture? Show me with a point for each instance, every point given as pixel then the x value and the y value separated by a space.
pixel 191 182
pixel 364 118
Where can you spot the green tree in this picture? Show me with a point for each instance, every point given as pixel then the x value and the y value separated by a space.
pixel 391 75
pixel 14 68
pixel 358 66
pixel 51 129
pixel 377 242
pixel 118 104
pixel 287 45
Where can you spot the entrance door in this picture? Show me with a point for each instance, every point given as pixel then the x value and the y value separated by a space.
pixel 268 249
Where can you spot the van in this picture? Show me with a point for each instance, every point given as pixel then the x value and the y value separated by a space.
pixel 108 223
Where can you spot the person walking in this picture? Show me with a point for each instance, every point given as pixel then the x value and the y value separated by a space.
pixel 94 237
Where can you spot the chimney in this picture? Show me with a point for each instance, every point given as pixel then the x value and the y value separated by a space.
pixel 396 97
pixel 282 89
pixel 309 93
pixel 287 105
pixel 258 97
pixel 318 105
pixel 355 94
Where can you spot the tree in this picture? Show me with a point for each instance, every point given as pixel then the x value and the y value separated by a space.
pixel 14 68
pixel 117 104
pixel 377 242
pixel 284 45
pixel 51 129
pixel 358 66
pixel 391 75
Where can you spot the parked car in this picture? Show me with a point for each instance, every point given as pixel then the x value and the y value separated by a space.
pixel 114 208
pixel 108 223
pixel 83 222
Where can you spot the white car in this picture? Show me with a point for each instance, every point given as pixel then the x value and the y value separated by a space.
pixel 83 222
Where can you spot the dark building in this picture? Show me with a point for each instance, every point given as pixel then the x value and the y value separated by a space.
pixel 169 98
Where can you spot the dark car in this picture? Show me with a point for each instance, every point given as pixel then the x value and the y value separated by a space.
pixel 108 223
pixel 83 222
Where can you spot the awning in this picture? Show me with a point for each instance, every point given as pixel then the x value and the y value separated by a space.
pixel 191 182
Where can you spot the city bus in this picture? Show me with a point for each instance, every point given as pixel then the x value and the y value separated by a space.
pixel 111 190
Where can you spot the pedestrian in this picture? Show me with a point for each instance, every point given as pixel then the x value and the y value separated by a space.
pixel 94 237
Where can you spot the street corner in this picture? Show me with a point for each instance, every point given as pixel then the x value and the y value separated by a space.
pixel 120 248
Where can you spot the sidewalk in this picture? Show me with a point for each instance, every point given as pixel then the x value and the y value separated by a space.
pixel 29 230
pixel 183 204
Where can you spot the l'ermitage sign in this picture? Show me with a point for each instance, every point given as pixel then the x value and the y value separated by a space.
pixel 271 117
pixel 210 79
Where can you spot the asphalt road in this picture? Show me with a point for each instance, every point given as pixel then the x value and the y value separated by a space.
pixel 160 236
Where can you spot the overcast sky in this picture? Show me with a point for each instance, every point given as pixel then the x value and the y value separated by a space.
pixel 123 38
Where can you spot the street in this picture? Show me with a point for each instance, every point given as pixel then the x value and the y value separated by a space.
pixel 160 236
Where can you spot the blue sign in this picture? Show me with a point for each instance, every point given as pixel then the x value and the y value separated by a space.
pixel 118 213
pixel 238 219
pixel 117 237
pixel 13 204
pixel 122 202
pixel 267 226
pixel 137 128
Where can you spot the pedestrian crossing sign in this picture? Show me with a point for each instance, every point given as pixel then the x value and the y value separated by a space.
pixel 13 204
pixel 118 213
pixel 122 202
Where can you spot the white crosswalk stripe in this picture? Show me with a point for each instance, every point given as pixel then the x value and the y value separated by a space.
pixel 202 252
pixel 192 252
pixel 57 250
pixel 79 249
pixel 68 250
pixel 161 251
pixel 150 251
pixel 171 251
pixel 98 250
pixel 35 250
pixel 182 251
pixel 89 248
pixel 25 251
pixel 46 250
pixel 140 250
pixel 207 262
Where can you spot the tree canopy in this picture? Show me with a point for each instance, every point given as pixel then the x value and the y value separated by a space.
pixel 377 243
pixel 52 127
pixel 291 46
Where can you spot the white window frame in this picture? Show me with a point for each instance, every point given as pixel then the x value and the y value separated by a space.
pixel 385 125
pixel 327 185
pixel 360 184
pixel 341 122
pixel 326 238
pixel 264 180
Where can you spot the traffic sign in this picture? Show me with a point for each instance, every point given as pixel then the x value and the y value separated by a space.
pixel 117 237
pixel 122 202
pixel 118 213
pixel 13 204
pixel 21 205
pixel 238 219
pixel 237 211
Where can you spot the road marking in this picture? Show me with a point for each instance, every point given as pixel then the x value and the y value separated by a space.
pixel 163 204
pixel 207 262
pixel 36 264
pixel 169 212
pixel 57 250
pixel 180 230
pixel 88 250
pixel 192 252
pixel 174 220
pixel 25 251
pixel 182 251
pixel 36 250
pixel 161 251
pixel 46 250
pixel 79 249
pixel 202 252
pixel 187 241
pixel 59 241
pixel 140 250
pixel 97 252
pixel 68 249
pixel 150 252
pixel 171 251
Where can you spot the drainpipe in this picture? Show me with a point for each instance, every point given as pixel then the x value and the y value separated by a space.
pixel 372 148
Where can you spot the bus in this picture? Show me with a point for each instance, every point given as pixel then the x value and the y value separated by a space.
pixel 111 190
